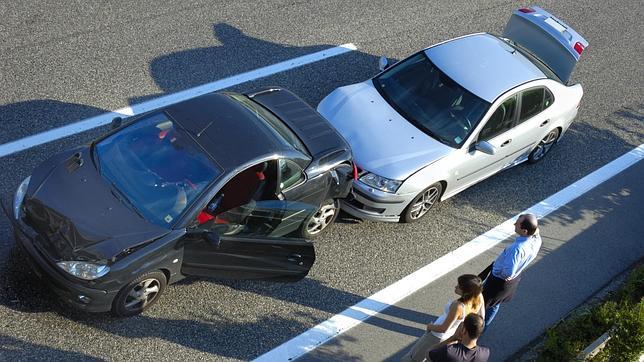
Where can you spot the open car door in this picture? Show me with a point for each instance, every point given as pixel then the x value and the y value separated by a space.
pixel 548 38
pixel 259 240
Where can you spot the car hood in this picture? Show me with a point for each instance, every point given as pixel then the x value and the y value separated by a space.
pixel 382 141
pixel 77 214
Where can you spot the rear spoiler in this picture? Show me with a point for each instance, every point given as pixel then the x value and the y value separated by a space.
pixel 549 39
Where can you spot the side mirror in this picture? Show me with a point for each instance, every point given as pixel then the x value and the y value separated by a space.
pixel 116 122
pixel 212 238
pixel 383 63
pixel 485 147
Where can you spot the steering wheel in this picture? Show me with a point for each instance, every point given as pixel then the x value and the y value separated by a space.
pixel 463 121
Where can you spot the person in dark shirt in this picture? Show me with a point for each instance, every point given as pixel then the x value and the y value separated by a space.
pixel 462 347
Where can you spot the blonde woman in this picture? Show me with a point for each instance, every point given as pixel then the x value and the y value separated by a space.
pixel 470 301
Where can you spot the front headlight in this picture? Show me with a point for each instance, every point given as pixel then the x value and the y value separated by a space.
pixel 19 197
pixel 84 270
pixel 381 183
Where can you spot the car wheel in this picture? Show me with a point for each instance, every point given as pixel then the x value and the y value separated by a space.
pixel 140 294
pixel 421 204
pixel 319 222
pixel 544 146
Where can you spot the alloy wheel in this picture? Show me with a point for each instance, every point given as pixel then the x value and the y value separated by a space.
pixel 142 294
pixel 424 202
pixel 544 146
pixel 322 218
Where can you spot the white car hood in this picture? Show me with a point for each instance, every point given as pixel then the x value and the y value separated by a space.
pixel 382 141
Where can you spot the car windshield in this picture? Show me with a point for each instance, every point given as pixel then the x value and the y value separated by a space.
pixel 430 100
pixel 156 167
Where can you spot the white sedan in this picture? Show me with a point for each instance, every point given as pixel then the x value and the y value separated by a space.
pixel 456 113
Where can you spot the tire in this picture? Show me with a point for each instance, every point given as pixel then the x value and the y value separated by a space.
pixel 131 300
pixel 544 146
pixel 422 203
pixel 319 223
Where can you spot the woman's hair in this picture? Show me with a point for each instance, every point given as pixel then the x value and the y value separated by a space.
pixel 471 286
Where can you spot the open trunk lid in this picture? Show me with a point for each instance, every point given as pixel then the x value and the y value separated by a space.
pixel 548 38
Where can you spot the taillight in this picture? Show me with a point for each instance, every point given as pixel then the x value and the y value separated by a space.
pixel 579 48
pixel 355 171
pixel 526 10
pixel 579 104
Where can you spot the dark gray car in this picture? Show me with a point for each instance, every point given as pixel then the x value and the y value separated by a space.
pixel 224 185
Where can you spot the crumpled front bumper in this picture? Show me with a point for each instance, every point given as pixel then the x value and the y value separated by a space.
pixel 71 292
pixel 367 203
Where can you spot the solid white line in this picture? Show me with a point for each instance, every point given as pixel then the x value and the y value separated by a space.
pixel 394 293
pixel 105 118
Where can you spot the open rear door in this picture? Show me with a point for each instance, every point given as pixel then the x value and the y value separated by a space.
pixel 551 40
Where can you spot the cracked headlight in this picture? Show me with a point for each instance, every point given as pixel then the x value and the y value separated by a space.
pixel 381 183
pixel 19 197
pixel 84 270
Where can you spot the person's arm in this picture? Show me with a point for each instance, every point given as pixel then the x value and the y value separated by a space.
pixel 455 338
pixel 454 310
pixel 481 311
pixel 509 263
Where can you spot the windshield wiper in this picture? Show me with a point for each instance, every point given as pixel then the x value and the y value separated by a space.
pixel 123 199
pixel 428 132
pixel 94 155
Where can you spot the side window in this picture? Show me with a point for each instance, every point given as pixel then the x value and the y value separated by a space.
pixel 248 206
pixel 248 187
pixel 500 121
pixel 290 174
pixel 548 99
pixel 532 102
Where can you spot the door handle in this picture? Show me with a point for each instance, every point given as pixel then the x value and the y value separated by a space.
pixel 544 123
pixel 506 143
pixel 295 258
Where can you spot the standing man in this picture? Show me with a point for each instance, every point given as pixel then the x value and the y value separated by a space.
pixel 502 282
pixel 462 346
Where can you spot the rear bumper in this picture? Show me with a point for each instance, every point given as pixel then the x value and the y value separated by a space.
pixel 70 292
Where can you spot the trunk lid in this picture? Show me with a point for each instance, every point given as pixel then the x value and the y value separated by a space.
pixel 548 38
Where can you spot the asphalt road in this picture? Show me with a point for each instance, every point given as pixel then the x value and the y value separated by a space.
pixel 65 62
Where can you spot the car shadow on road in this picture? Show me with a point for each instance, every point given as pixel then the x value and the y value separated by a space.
pixel 234 53
pixel 573 267
pixel 26 118
pixel 13 349
pixel 205 328
pixel 209 325
pixel 569 157
pixel 189 68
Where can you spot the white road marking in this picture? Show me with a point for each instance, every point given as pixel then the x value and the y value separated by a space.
pixel 105 118
pixel 394 293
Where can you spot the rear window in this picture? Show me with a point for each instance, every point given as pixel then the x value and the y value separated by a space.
pixel 535 60
pixel 272 122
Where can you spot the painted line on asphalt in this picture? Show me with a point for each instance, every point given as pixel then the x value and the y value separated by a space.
pixel 419 279
pixel 166 100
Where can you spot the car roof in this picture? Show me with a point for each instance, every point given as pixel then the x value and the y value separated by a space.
pixel 483 64
pixel 229 132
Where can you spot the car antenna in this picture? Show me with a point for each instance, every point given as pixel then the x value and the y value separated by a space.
pixel 205 128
